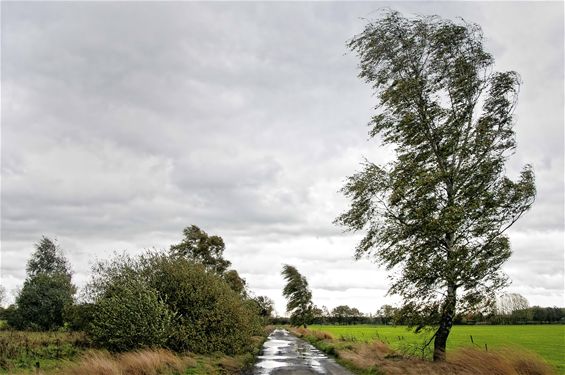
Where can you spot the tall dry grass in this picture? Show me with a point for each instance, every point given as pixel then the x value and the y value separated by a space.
pixel 318 335
pixel 500 362
pixel 143 362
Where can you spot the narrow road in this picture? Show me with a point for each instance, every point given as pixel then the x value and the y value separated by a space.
pixel 284 354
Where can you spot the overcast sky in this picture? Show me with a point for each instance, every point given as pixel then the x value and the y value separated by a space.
pixel 123 123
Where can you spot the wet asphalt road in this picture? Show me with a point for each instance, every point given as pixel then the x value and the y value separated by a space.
pixel 284 354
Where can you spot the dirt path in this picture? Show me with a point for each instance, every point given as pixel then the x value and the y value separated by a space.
pixel 284 354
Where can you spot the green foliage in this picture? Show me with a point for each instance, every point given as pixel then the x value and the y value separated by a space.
pixel 387 313
pixel 131 316
pixel 77 317
pixel 208 315
pixel 438 213
pixel 47 259
pixel 236 283
pixel 46 291
pixel 201 248
pixel 299 297
pixel 344 314
pixel 13 317
pixel 265 306
pixel 41 302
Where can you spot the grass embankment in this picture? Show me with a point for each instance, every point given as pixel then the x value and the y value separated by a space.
pixel 373 355
pixel 72 354
pixel 548 341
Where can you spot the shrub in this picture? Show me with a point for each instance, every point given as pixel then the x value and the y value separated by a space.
pixel 13 317
pixel 79 316
pixel 131 316
pixel 208 315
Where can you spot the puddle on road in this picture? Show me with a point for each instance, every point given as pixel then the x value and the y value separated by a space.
pixel 273 355
pixel 311 356
pixel 283 350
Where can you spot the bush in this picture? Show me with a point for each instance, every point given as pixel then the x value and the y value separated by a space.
pixel 13 317
pixel 208 315
pixel 130 317
pixel 78 317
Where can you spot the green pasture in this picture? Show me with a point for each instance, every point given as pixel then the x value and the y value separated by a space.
pixel 546 340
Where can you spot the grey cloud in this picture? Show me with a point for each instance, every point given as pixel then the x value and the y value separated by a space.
pixel 123 123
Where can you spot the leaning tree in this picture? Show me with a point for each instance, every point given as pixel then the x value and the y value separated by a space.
pixel 437 214
pixel 299 297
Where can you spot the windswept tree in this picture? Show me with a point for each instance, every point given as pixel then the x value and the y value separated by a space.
pixel 438 213
pixel 298 295
pixel 199 247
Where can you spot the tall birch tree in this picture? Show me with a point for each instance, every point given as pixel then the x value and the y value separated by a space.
pixel 437 214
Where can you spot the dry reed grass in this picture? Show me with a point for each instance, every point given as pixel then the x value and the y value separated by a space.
pixel 318 335
pixel 500 362
pixel 464 361
pixel 379 356
pixel 143 362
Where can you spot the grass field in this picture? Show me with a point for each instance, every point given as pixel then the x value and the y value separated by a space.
pixel 546 340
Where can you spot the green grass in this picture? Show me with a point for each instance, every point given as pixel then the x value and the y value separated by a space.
pixel 546 340
pixel 23 351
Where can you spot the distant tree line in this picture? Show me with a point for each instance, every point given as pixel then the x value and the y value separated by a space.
pixel 342 315
pixel 530 315
pixel 388 315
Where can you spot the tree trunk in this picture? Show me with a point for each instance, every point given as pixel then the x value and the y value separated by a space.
pixel 445 325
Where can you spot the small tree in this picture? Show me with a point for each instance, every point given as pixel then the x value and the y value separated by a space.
pixel 201 248
pixel 299 296
pixel 47 290
pixel 438 213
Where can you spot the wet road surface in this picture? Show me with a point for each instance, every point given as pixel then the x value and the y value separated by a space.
pixel 284 354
